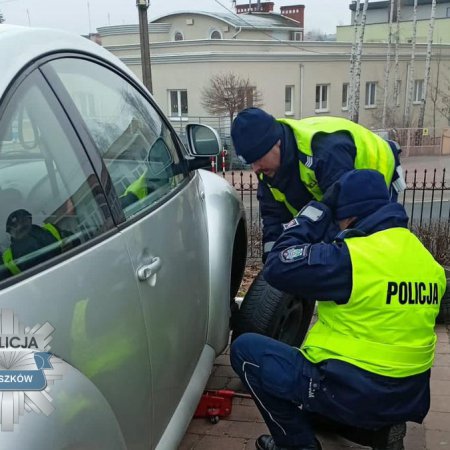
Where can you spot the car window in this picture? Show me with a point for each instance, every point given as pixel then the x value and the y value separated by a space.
pixel 50 200
pixel 135 143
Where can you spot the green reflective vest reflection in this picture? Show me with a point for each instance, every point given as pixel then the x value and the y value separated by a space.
pixel 8 256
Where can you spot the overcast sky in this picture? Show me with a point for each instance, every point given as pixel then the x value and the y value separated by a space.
pixel 83 16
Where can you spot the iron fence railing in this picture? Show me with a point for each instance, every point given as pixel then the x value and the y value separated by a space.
pixel 415 141
pixel 426 200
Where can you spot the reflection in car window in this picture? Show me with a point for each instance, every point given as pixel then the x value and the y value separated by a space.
pixel 48 202
pixel 136 145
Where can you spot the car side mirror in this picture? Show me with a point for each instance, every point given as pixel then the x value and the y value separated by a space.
pixel 203 141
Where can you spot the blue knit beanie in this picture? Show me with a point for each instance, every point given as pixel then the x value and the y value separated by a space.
pixel 358 193
pixel 254 133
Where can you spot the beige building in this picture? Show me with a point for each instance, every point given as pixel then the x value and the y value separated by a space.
pixel 296 78
pixel 377 20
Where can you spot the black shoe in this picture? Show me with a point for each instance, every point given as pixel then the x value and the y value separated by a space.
pixel 266 442
pixel 392 438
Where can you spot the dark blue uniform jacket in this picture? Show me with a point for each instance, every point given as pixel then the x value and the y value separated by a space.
pixel 323 271
pixel 334 154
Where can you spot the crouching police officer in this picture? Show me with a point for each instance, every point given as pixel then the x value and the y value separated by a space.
pixel 366 362
pixel 298 160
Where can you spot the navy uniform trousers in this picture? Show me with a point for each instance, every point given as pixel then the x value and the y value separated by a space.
pixel 291 392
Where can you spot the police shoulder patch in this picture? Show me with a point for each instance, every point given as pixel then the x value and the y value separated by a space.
pixel 294 253
pixel 312 213
pixel 293 223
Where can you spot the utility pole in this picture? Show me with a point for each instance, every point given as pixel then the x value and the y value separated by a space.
pixel 142 6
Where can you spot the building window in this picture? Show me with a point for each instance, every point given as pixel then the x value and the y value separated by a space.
pixel 297 36
pixel 215 34
pixel 246 97
pixel 371 94
pixel 86 102
pixel 345 88
pixel 289 100
pixel 322 97
pixel 398 87
pixel 418 91
pixel 178 103
pixel 178 36
pixel 448 12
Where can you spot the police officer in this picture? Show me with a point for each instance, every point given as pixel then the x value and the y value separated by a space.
pixel 27 238
pixel 297 160
pixel 366 362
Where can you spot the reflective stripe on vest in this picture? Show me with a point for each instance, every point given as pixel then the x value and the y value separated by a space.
pixel 279 196
pixel 99 354
pixel 9 263
pixel 387 326
pixel 372 152
pixel 8 259
pixel 53 230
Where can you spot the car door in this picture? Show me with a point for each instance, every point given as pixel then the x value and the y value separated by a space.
pixel 163 222
pixel 64 262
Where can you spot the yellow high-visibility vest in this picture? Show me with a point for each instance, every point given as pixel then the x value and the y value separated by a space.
pixel 372 152
pixel 387 326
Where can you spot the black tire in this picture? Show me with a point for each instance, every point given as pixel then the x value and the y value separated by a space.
pixel 268 311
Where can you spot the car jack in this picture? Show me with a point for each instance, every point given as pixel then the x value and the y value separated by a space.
pixel 217 404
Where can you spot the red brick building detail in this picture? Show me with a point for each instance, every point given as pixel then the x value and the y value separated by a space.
pixel 264 7
pixel 295 12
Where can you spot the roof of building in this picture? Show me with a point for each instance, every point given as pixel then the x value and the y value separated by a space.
pixel 259 20
pixel 385 4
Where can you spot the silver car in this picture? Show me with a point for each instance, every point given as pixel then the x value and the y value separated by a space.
pixel 120 259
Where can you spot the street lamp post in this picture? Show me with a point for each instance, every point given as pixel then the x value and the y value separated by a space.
pixel 142 6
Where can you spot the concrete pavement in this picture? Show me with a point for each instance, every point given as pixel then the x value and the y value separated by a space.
pixel 240 430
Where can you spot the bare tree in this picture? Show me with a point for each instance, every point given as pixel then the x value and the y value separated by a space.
pixel 2 17
pixel 356 87
pixel 397 45
pixel 228 93
pixel 427 66
pixel 316 35
pixel 410 76
pixel 387 68
pixel 391 119
pixel 440 91
pixel 351 99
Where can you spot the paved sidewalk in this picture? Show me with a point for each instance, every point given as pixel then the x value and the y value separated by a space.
pixel 244 425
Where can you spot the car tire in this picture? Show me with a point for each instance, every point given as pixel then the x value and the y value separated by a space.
pixel 268 311
pixel 444 310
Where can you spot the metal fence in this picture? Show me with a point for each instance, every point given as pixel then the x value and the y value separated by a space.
pixel 416 141
pixel 426 200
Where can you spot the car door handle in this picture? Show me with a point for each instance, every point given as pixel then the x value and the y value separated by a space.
pixel 148 270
